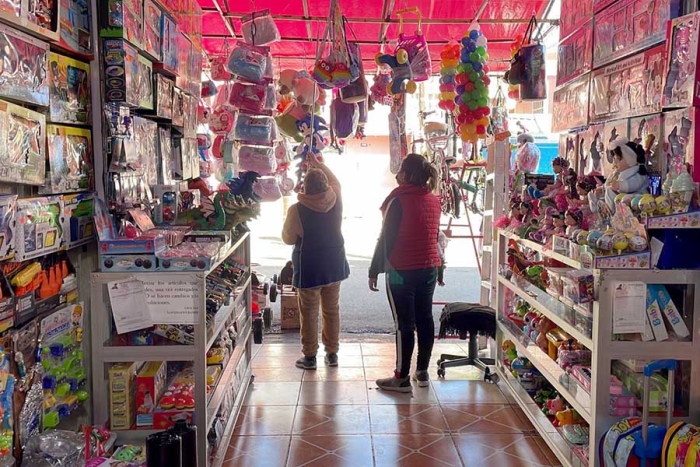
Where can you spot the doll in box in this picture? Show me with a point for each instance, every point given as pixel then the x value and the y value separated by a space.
pixel 629 173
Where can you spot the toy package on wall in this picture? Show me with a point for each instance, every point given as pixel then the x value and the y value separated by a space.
pixel 145 83
pixel 573 14
pixel 122 19
pixel 76 24
pixel 69 90
pixel 8 225
pixel 11 9
pixel 599 5
pixel 629 26
pixel 164 96
pixel 568 145
pixel 575 54
pixel 195 72
pixel 70 165
pixel 681 85
pixel 629 87
pixel 23 71
pixel 22 145
pixel 121 73
pixel 152 18
pixel 42 17
pixel 592 150
pixel 40 227
pixel 178 108
pixel 648 131
pixel 165 156
pixel 611 131
pixel 190 108
pixel 184 50
pixel 145 136
pixel 570 105
pixel 679 130
pixel 169 42
pixel 79 209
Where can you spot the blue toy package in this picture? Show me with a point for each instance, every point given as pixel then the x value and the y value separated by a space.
pixel 255 130
pixel 250 62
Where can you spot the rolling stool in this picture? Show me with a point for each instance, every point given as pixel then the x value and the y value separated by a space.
pixel 470 319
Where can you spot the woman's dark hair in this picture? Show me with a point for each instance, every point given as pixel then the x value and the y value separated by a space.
pixel 641 157
pixel 418 171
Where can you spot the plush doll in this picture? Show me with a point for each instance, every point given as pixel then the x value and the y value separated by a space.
pixel 555 405
pixel 509 350
pixel 313 143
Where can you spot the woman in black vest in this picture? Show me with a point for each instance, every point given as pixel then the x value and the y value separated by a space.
pixel 313 226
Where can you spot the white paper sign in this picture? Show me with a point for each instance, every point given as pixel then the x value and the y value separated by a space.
pixel 129 305
pixel 629 308
pixel 173 300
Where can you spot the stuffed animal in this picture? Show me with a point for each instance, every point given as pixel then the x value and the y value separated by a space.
pixel 555 406
pixel 313 143
pixel 544 326
pixel 509 349
pixel 243 187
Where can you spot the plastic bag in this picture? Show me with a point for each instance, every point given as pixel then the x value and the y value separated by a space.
pixel 259 28
pixel 219 72
pixel 257 159
pixel 251 63
pixel 255 130
pixel 250 97
pixel 221 120
pixel 55 448
pixel 268 189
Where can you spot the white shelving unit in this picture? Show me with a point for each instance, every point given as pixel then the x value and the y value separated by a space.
pixel 593 406
pixel 497 167
pixel 233 382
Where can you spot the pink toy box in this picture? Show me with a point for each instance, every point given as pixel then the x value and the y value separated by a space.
pixel 629 87
pixel 679 130
pixel 648 131
pixel 570 105
pixel 629 26
pixel 682 85
pixel 600 5
pixel 573 14
pixel 611 131
pixel 575 54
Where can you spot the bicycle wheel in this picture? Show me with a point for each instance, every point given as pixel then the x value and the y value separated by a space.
pixel 457 199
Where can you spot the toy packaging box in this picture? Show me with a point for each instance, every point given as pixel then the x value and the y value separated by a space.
pixel 151 29
pixel 163 97
pixel 150 383
pixel 629 87
pixel 611 131
pixel 123 19
pixel 570 105
pixel 178 108
pixel 145 83
pixel 177 402
pixel 599 5
pixel 184 51
pixel 70 165
pixel 80 214
pixel 195 73
pixel 165 156
pixel 69 90
pixel 41 225
pixel 22 145
pixel 169 42
pixel 145 138
pixel 679 130
pixel 669 310
pixel 42 16
pixel 568 144
pixel 122 392
pixel 8 225
pixel 656 320
pixel 681 88
pixel 575 54
pixel 122 79
pixel 11 9
pixel 629 26
pixel 111 244
pixel 23 77
pixel 573 14
pixel 76 24
pixel 648 131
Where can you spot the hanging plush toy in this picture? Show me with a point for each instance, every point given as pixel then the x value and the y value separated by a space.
pixel 313 143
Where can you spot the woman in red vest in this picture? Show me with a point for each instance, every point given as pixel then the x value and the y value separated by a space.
pixel 407 251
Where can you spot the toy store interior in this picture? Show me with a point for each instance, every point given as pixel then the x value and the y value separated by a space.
pixel 163 161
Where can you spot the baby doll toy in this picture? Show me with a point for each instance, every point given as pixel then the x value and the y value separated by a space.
pixel 547 229
pixel 559 223
pixel 313 143
pixel 573 219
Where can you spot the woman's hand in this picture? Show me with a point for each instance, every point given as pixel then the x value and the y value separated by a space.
pixel 373 284
pixel 441 283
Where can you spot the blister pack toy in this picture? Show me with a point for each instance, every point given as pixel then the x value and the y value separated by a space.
pixel 249 62
pixel 76 26
pixel 629 26
pixel 79 212
pixel 23 74
pixel 575 55
pixel 164 96
pixel 64 376
pixel 680 128
pixel 122 69
pixel 628 88
pixel 22 145
pixel 42 16
pixel 40 227
pixel 178 107
pixel 7 389
pixel 69 90
pixel 258 28
pixel 11 8
pixel 70 165
pixel 570 109
pixel 255 130
pixel 195 72
pixel 145 136
pixel 122 19
pixel 152 17
pixel 682 52
pixel 144 83
pixel 573 14
pixel 8 225
pixel 257 159
pixel 165 156
pixel 168 47
pixel 184 50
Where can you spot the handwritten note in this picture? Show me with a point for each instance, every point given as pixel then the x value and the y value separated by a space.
pixel 175 300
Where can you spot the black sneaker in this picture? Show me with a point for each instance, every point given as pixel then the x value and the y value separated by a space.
pixel 306 363
pixel 395 384
pixel 332 359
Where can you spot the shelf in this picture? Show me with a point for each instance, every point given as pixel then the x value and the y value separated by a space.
pixel 222 448
pixel 223 255
pixel 542 250
pixel 654 350
pixel 149 353
pixel 224 383
pixel 549 369
pixel 544 427
pixel 545 309
pixel 221 317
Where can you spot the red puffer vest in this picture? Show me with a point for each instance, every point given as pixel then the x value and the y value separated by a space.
pixel 416 245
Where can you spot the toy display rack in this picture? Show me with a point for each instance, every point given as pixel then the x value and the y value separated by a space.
pixel 495 193
pixel 234 379
pixel 593 406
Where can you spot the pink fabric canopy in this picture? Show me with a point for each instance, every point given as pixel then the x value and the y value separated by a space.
pixel 301 22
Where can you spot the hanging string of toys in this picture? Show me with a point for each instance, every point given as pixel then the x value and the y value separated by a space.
pixel 472 90
pixel 449 60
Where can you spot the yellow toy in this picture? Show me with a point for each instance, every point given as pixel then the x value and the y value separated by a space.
pixel 568 417
pixel 620 242
pixel 647 205
pixel 663 206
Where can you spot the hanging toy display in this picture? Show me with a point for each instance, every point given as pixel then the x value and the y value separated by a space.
pixel 472 91
pixel 499 112
pixel 335 67
pixel 314 143
pixel 449 60
pixel 379 90
pixel 514 89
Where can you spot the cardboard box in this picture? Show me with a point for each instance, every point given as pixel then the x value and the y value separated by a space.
pixel 69 93
pixel 290 315
pixel 122 391
pixel 122 68
pixel 24 83
pixel 80 214
pixel 150 382
pixel 22 145
pixel 122 19
pixel 656 320
pixel 669 310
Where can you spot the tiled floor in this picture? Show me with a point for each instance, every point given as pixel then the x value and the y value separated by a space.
pixel 336 417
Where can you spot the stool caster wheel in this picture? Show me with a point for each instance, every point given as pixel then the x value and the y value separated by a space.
pixel 441 372
pixel 440 362
pixel 490 377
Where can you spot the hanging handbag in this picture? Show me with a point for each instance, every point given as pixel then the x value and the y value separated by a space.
pixel 516 74
pixel 333 64
pixel 357 90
